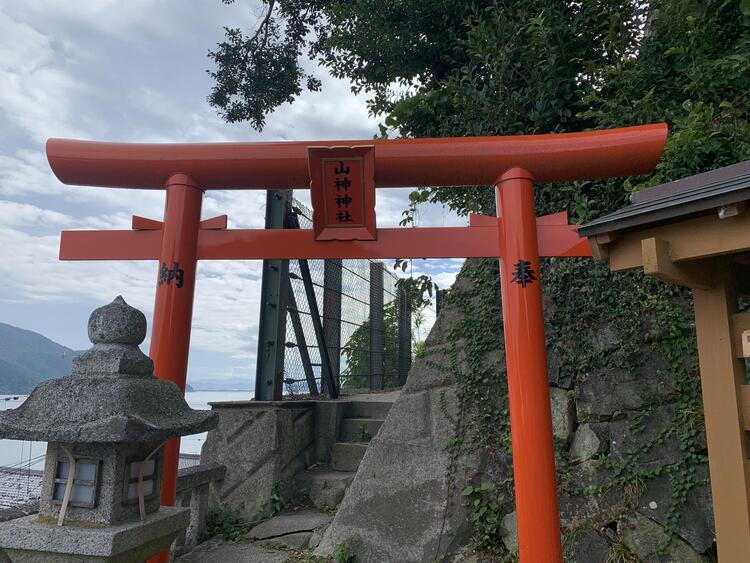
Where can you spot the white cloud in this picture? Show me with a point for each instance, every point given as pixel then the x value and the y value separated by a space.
pixel 135 71
pixel 26 215
pixel 27 172
pixel 30 271
pixel 37 94
pixel 245 209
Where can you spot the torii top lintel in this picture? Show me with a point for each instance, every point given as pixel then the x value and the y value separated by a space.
pixel 399 162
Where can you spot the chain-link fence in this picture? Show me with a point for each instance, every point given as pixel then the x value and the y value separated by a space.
pixel 359 306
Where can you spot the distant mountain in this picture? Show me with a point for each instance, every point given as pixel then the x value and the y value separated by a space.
pixel 28 358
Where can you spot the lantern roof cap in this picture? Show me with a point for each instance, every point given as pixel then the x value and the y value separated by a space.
pixel 112 394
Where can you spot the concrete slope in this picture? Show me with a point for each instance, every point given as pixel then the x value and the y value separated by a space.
pixel 404 504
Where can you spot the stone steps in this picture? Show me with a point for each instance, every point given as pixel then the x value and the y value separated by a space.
pixel 346 456
pixel 267 542
pixel 369 409
pixel 359 429
pixel 326 485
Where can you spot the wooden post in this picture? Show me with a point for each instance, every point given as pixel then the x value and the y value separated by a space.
pixel 722 375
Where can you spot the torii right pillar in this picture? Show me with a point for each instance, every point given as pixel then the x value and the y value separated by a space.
pixel 526 364
pixel 695 232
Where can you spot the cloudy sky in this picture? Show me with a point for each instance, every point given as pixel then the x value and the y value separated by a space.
pixel 136 71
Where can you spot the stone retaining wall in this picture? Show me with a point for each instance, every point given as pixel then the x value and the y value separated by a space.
pixel 263 445
pixel 193 485
pixel 632 478
pixel 260 445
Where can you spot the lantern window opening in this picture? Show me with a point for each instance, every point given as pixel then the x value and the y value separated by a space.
pixel 85 482
pixel 130 493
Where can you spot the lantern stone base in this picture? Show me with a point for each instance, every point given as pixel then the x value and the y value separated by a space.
pixel 26 540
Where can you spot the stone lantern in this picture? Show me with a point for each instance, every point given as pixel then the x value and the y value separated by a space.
pixel 105 426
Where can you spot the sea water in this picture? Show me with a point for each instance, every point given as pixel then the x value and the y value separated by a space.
pixel 15 453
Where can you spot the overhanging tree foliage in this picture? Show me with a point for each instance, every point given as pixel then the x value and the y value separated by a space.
pixel 447 68
pixel 507 67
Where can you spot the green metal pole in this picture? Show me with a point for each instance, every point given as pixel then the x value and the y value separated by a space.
pixel 269 373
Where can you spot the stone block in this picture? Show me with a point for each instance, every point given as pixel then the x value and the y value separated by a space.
pixel 325 488
pixel 196 500
pixel 466 555
pixel 554 375
pixel 634 431
pixel 346 456
pixel 199 475
pixel 588 547
pixel 589 496
pixel 589 440
pixel 576 510
pixel 359 429
pixel 608 391
pixel 302 430
pixel 696 517
pixel 260 445
pixel 289 523
pixel 602 338
pixel 509 532
pixel 296 540
pixel 425 417
pixel 316 537
pixel 328 415
pixel 411 421
pixel 397 503
pixel 368 409
pixel 219 551
pixel 434 368
pixel 650 542
pixel 26 540
pixel 563 413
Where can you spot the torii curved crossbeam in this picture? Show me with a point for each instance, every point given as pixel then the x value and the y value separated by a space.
pixel 460 161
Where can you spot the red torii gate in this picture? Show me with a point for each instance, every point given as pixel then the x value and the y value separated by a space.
pixel 516 236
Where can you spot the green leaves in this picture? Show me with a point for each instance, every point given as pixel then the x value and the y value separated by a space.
pixel 485 504
pixel 256 74
pixel 374 46
pixel 483 488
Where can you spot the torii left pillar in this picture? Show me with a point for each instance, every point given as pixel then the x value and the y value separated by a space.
pixel 173 309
